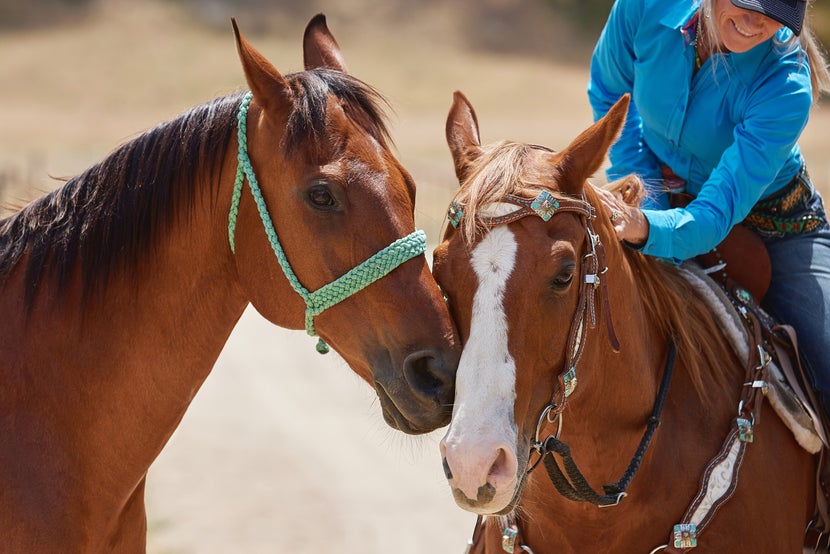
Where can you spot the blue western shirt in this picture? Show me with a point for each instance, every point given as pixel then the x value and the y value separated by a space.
pixel 729 130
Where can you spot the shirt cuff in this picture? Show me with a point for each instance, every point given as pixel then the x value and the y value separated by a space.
pixel 659 241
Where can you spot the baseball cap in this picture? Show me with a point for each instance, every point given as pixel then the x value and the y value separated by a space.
pixel 786 12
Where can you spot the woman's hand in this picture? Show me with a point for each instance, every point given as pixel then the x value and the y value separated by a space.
pixel 629 222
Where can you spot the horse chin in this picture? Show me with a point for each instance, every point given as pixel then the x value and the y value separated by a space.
pixel 411 423
pixel 517 495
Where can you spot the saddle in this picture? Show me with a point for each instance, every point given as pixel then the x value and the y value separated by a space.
pixel 740 267
pixel 740 258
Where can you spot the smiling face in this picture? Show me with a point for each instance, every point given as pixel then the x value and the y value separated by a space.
pixel 741 30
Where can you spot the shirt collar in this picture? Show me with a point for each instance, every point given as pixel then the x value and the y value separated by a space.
pixel 678 14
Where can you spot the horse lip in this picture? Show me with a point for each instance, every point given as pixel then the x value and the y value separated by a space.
pixel 486 494
pixel 395 418
pixel 405 410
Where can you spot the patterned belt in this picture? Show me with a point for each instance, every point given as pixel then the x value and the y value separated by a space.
pixel 785 212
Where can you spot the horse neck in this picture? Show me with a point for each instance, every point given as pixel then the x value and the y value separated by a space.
pixel 116 371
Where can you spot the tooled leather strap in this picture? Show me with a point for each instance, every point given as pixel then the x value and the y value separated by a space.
pixel 721 475
pixel 544 205
pixel 606 304
pixel 592 282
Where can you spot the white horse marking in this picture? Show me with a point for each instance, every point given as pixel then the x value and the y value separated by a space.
pixel 481 441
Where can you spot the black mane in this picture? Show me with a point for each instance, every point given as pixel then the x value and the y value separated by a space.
pixel 110 216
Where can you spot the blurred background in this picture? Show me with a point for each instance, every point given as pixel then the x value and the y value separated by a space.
pixel 284 450
pixel 81 76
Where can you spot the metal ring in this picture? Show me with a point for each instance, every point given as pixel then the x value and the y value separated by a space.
pixel 550 408
pixel 614 215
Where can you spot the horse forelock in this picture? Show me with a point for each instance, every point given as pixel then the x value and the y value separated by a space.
pixel 502 168
pixel 109 216
pixel 306 127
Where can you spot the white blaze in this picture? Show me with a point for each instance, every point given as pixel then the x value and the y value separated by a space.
pixel 482 419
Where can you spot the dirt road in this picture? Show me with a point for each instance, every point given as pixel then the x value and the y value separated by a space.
pixel 285 450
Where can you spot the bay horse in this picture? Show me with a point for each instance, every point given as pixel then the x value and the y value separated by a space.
pixel 569 337
pixel 120 288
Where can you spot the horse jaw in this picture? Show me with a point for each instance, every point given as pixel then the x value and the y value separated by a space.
pixel 480 447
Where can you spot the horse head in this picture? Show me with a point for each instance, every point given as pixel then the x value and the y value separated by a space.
pixel 519 266
pixel 337 209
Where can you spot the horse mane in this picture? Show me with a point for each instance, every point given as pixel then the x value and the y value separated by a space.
pixel 362 103
pixel 676 309
pixel 668 299
pixel 109 217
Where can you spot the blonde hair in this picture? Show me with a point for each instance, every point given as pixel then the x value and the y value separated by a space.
pixel 810 46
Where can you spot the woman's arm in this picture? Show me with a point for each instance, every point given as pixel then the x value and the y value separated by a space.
pixel 612 75
pixel 776 112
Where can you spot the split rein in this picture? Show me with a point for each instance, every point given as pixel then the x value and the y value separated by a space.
pixel 353 281
pixel 574 486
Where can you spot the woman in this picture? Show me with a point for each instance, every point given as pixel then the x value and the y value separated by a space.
pixel 721 91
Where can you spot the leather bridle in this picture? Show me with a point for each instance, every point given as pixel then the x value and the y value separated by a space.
pixel 571 483
pixel 591 284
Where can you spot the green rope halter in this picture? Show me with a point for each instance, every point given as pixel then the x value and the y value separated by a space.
pixel 356 279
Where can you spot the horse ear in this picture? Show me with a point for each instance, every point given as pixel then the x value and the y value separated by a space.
pixel 270 89
pixel 319 47
pixel 584 156
pixel 462 135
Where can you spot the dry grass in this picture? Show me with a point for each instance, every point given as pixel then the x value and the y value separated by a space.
pixel 71 93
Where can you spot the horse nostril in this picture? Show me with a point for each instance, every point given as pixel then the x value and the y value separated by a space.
pixel 503 469
pixel 428 374
pixel 447 470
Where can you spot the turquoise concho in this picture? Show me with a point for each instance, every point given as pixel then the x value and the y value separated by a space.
pixel 745 430
pixel 508 538
pixel 455 213
pixel 569 380
pixel 545 205
pixel 685 535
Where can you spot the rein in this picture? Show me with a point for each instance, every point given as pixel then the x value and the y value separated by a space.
pixel 353 281
pixel 575 487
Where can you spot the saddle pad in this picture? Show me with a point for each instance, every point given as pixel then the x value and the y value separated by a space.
pixel 781 396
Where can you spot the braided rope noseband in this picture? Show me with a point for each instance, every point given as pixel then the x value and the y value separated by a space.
pixel 356 279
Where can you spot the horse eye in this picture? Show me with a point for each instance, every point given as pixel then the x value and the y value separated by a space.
pixel 321 197
pixel 563 280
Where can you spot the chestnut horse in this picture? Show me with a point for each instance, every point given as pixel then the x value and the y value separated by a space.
pixel 576 348
pixel 120 289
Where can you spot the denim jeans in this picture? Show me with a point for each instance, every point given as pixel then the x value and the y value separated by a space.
pixel 799 294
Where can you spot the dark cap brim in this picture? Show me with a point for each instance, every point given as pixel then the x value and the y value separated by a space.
pixel 786 12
